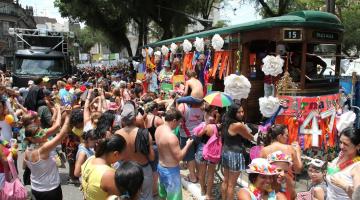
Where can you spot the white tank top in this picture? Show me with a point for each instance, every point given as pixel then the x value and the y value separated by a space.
pixel 334 192
pixel 44 174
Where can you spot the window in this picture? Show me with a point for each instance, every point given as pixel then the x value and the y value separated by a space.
pixel 40 66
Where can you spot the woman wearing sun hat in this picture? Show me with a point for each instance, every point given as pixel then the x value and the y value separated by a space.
pixel 284 182
pixel 261 176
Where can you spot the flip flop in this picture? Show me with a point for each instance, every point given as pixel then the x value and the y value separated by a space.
pixel 187 179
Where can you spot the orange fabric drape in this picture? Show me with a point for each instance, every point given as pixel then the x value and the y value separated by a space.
pixel 224 64
pixel 293 129
pixel 187 63
pixel 217 58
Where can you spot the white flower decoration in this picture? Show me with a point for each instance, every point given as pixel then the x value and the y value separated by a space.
pixel 187 46
pixel 157 54
pixel 272 65
pixel 143 53
pixel 237 87
pixel 346 120
pixel 164 50
pixel 150 51
pixel 269 105
pixel 217 42
pixel 173 48
pixel 199 44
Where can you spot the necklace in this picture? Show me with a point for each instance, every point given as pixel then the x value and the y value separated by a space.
pixel 334 169
pixel 256 191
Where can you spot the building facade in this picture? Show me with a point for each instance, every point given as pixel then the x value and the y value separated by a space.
pixel 12 15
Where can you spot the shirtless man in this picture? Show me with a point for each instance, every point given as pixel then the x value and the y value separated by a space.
pixel 196 88
pixel 129 132
pixel 170 156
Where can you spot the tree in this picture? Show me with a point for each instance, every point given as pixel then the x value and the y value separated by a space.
pixel 114 17
pixel 88 37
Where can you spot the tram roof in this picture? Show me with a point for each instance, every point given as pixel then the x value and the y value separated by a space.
pixel 306 18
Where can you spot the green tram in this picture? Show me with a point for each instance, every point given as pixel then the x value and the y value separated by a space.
pixel 305 40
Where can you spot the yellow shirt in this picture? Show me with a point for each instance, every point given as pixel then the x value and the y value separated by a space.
pixel 91 179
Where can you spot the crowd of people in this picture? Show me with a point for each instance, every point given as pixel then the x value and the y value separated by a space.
pixel 129 141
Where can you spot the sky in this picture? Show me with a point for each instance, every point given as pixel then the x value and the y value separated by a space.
pixel 243 13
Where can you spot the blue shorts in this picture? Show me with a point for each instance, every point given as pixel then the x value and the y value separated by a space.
pixel 190 154
pixel 189 100
pixel 233 161
pixel 169 183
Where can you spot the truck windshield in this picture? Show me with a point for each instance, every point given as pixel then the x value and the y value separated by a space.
pixel 40 66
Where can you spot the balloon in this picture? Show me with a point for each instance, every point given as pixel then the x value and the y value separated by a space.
pixel 9 119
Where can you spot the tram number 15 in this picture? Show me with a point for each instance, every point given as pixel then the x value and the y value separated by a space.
pixel 292 34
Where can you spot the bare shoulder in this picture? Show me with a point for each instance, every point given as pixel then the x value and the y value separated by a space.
pixel 243 194
pixel 280 196
pixel 356 169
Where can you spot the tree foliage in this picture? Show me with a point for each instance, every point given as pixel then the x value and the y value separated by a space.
pixel 114 17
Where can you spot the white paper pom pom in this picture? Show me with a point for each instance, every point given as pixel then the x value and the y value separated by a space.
pixel 173 48
pixel 157 54
pixel 272 65
pixel 237 87
pixel 150 51
pixel 199 44
pixel 164 50
pixel 217 42
pixel 346 120
pixel 187 46
pixel 269 105
pixel 143 53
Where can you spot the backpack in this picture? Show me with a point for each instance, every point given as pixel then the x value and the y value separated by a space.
pixel 213 147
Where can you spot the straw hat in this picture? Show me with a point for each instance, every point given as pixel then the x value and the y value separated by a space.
pixel 279 156
pixel 261 166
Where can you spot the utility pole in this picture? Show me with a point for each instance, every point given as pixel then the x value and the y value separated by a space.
pixel 330 6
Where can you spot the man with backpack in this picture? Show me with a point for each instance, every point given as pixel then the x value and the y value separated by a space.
pixel 170 156
pixel 193 115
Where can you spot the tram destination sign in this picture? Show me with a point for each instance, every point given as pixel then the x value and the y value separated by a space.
pixel 320 35
pixel 292 34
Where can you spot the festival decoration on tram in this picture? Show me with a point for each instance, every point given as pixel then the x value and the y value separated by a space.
pixel 346 120
pixel 150 51
pixel 272 65
pixel 237 87
pixel 217 42
pixel 199 44
pixel 164 50
pixel 143 53
pixel 187 46
pixel 269 105
pixel 173 48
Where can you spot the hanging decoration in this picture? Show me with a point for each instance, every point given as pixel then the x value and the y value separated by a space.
pixel 187 46
pixel 224 63
pixel 187 62
pixel 173 48
pixel 286 81
pixel 346 120
pixel 217 42
pixel 148 63
pixel 217 59
pixel 237 87
pixel 272 65
pixel 268 105
pixel 199 44
pixel 143 53
pixel 150 51
pixel 164 50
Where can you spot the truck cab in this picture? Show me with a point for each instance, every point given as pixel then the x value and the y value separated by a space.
pixel 40 53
